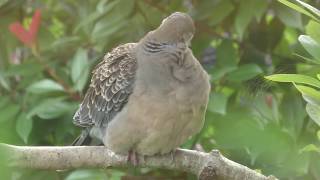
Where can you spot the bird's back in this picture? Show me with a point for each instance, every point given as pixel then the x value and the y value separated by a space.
pixel 111 85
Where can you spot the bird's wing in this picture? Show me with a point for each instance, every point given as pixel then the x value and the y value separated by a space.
pixel 111 85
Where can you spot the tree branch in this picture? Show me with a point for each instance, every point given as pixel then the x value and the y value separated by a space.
pixel 205 165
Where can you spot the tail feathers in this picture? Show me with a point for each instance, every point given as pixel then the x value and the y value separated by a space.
pixel 83 139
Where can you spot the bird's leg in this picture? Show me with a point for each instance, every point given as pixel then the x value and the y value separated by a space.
pixel 172 155
pixel 133 158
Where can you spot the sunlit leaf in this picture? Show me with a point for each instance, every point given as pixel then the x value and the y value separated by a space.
pixel 310 148
pixel 294 78
pixel 313 111
pixel 311 46
pixel 298 8
pixel 309 7
pixel 57 28
pixel 50 108
pixel 313 30
pixel 44 86
pixel 80 69
pixel 311 95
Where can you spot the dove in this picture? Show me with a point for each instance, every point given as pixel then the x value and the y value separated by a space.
pixel 147 97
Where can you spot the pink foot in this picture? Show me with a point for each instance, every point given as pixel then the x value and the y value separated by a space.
pixel 133 158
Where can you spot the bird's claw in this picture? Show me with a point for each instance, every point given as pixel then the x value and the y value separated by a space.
pixel 133 158
pixel 172 155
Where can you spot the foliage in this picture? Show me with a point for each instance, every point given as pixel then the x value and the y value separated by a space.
pixel 48 49
pixel 307 85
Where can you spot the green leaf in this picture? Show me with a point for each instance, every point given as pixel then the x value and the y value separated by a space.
pixel 311 95
pixel 260 9
pixel 310 148
pixel 24 69
pixel 65 42
pixel 3 2
pixel 87 174
pixel 244 16
pixel 244 72
pixel 313 111
pixel 93 17
pixel 318 135
pixel 310 45
pixel 309 7
pixel 313 30
pixel 220 11
pixel 50 108
pixel 310 60
pixel 4 82
pixel 293 113
pixel 80 69
pixel 227 54
pixel 294 78
pixel 4 101
pixel 45 86
pixel 57 28
pixel 218 103
pixel 289 17
pixel 103 30
pixel 8 112
pixel 298 8
pixel 24 127
pixel 218 73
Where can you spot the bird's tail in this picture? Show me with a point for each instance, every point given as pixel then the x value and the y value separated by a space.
pixel 83 139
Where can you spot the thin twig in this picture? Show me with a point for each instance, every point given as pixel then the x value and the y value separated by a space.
pixel 54 75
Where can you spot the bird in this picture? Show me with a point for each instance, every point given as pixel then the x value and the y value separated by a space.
pixel 147 97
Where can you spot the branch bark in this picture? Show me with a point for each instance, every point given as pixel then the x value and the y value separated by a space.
pixel 205 165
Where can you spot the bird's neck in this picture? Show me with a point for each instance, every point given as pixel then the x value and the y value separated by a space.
pixel 162 37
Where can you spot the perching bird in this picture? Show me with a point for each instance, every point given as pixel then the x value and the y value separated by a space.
pixel 147 97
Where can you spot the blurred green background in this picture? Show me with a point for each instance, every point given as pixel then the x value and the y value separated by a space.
pixel 45 65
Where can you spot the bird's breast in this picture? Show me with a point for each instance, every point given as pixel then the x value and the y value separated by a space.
pixel 161 113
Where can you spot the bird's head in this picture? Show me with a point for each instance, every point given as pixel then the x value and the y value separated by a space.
pixel 178 27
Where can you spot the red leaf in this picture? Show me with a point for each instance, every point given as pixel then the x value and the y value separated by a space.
pixel 28 37
pixel 23 35
pixel 35 23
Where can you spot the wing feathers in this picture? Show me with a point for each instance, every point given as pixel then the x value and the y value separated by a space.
pixel 111 85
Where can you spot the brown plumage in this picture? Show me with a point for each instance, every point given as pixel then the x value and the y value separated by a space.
pixel 110 87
